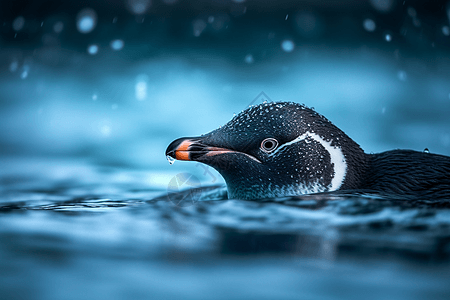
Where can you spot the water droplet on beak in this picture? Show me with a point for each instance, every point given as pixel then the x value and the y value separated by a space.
pixel 170 159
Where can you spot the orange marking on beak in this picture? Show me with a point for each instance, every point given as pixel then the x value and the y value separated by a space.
pixel 182 153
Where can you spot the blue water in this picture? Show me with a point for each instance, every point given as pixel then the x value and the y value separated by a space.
pixel 73 230
pixel 91 209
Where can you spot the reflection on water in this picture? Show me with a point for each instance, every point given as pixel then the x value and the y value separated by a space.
pixel 116 238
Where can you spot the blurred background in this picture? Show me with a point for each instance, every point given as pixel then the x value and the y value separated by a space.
pixel 115 81
pixel 93 91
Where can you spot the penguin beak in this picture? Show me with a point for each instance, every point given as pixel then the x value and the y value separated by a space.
pixel 179 149
pixel 192 149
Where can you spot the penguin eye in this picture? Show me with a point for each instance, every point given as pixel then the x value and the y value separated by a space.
pixel 269 144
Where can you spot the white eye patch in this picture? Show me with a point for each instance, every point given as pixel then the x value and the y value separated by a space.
pixel 336 156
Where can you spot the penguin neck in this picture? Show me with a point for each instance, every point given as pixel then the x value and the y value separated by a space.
pixel 355 161
pixel 358 165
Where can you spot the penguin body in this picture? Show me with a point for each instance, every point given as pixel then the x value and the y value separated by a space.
pixel 287 149
pixel 410 173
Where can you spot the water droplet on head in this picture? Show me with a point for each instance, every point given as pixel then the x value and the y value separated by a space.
pixel 170 159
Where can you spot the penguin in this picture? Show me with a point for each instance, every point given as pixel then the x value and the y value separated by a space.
pixel 280 149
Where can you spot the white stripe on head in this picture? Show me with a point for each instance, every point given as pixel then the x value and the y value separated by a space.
pixel 336 156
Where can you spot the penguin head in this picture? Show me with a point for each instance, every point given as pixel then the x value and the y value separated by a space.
pixel 275 149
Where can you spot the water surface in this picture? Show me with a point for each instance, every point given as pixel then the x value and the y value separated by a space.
pixel 75 230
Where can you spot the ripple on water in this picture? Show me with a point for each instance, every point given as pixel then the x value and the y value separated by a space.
pixel 115 219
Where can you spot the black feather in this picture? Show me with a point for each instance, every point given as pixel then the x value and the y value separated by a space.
pixel 410 173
